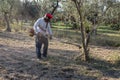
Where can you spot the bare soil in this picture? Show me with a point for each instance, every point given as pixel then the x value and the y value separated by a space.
pixel 18 61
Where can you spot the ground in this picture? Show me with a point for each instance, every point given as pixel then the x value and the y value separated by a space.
pixel 18 61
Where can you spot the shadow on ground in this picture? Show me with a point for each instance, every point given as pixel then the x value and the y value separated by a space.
pixel 21 64
pixel 15 64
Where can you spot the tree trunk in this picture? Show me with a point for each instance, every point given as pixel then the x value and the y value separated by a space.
pixel 95 29
pixel 7 22
pixel 84 41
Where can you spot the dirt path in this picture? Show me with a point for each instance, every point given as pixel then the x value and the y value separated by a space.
pixel 18 61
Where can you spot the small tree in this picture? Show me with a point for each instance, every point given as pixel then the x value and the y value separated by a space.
pixel 85 39
pixel 5 8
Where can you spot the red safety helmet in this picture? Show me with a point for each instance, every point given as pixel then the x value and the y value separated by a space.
pixel 48 15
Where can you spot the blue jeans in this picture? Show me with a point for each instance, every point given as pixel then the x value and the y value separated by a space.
pixel 39 42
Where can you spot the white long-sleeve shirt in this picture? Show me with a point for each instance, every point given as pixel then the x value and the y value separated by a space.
pixel 41 23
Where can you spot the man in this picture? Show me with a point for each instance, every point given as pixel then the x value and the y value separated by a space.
pixel 42 30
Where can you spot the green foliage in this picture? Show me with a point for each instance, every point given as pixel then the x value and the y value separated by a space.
pixel 105 37
pixel 33 11
pixel 4 6
pixel 112 43
pixel 115 26
pixel 30 10
pixel 105 40
pixel 61 25
pixel 87 25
